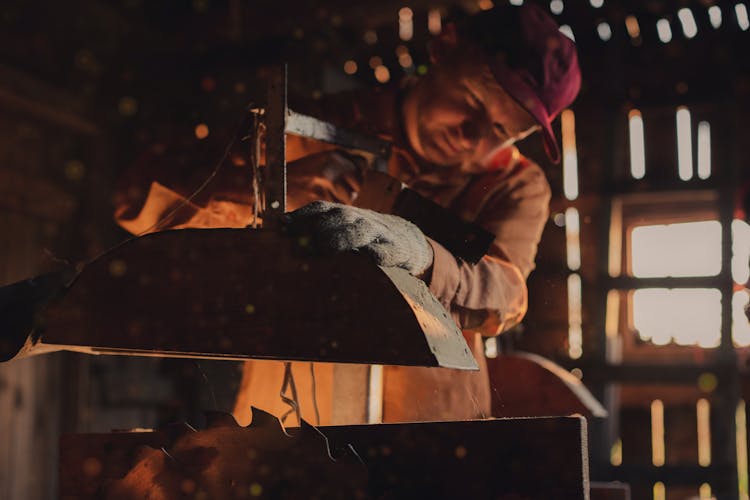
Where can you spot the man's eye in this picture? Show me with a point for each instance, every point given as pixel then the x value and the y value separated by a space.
pixel 473 100
pixel 500 129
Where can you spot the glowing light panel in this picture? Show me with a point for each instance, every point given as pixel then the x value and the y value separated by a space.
pixel 687 20
pixel 740 251
pixel 684 144
pixel 434 21
pixel 634 29
pixel 573 239
pixel 604 30
pixel 575 333
pixel 664 30
pixel 570 155
pixel 714 16
pixel 637 145
pixel 567 31
pixel 704 150
pixel 405 23
pixel 657 434
pixel 742 19
pixel 703 417
pixel 740 325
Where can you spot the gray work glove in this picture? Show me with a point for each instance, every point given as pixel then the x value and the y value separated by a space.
pixel 390 240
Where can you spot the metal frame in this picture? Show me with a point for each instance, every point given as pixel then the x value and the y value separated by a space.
pixel 280 120
pixel 609 372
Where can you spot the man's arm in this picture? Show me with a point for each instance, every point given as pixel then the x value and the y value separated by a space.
pixel 491 296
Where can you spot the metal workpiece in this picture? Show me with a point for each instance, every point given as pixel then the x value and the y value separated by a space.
pixel 234 294
pixel 313 128
pixel 274 182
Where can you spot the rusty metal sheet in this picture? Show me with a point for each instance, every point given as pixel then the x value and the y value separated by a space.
pixel 506 459
pixel 243 293
pixel 313 128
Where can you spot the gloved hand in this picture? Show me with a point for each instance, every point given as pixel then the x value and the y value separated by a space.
pixel 390 240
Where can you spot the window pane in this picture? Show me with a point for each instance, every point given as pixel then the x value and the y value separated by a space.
pixel 686 249
pixel 740 325
pixel 740 251
pixel 690 316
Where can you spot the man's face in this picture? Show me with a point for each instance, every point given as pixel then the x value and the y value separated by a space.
pixel 459 115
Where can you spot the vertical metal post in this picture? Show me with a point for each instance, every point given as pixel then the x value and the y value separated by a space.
pixel 727 397
pixel 275 175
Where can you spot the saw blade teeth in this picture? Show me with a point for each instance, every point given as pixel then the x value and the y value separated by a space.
pixel 220 419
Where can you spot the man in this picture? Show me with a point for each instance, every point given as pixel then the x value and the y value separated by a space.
pixel 495 78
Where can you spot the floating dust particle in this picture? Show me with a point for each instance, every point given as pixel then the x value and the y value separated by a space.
pixel 707 382
pixel 92 467
pixel 117 268
pixel 127 106
pixel 74 170
pixel 187 486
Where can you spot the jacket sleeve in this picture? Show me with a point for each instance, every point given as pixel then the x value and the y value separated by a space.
pixel 491 296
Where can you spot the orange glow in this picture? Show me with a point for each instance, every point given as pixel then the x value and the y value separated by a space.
pixel 405 60
pixel 405 24
pixel 703 414
pixel 573 238
pixel 615 454
pixel 434 21
pixel 382 74
pixel 201 131
pixel 657 434
pixel 350 67
pixel 634 29
pixel 570 155
pixel 660 492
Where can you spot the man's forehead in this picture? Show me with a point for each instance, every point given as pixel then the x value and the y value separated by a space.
pixel 481 80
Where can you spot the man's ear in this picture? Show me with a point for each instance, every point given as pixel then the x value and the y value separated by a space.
pixel 443 44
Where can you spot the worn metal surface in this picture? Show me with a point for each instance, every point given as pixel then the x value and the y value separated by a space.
pixel 556 391
pixel 308 126
pixel 215 293
pixel 540 458
pixel 274 181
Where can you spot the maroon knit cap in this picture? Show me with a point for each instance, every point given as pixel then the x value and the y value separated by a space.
pixel 533 61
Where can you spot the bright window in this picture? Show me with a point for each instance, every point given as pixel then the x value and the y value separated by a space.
pixel 684 316
pixel 686 249
pixel 687 316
